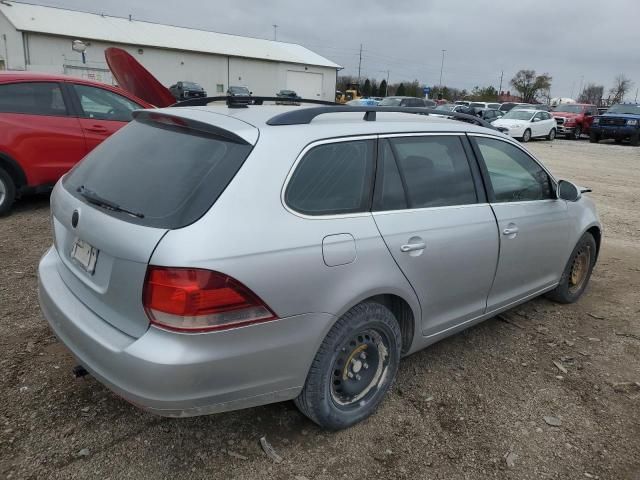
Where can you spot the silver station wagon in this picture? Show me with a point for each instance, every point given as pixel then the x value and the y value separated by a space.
pixel 212 258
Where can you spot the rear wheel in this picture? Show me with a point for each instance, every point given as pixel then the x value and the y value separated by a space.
pixel 618 140
pixel 7 192
pixel 635 139
pixel 552 134
pixel 577 272
pixel 353 369
pixel 594 137
pixel 526 136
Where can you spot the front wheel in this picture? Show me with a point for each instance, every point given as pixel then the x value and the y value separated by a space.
pixel 594 137
pixel 577 133
pixel 526 136
pixel 353 369
pixel 635 139
pixel 552 134
pixel 7 192
pixel 577 272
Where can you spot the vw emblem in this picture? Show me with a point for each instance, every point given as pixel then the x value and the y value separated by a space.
pixel 74 218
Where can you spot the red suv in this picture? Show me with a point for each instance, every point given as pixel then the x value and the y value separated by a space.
pixel 48 123
pixel 574 119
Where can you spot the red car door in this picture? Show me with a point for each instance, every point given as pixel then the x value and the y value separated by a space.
pixel 102 112
pixel 38 131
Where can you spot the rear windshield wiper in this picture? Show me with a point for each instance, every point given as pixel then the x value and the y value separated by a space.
pixel 95 199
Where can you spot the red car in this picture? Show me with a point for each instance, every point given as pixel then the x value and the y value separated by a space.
pixel 48 123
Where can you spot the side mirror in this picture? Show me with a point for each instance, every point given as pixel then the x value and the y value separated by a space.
pixel 568 191
pixel 250 93
pixel 535 120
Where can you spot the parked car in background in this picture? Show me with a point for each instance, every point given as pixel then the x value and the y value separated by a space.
pixel 48 123
pixel 526 124
pixel 287 97
pixel 621 122
pixel 241 96
pixel 484 105
pixel 574 119
pixel 462 102
pixel 209 259
pixel 407 102
pixel 489 114
pixel 505 107
pixel 362 101
pixel 185 90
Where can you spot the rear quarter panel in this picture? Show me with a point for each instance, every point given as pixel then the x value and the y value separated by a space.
pixel 249 235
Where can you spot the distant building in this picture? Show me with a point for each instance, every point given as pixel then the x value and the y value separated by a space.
pixel 34 37
pixel 507 97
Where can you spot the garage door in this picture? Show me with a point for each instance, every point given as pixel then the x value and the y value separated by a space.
pixel 305 84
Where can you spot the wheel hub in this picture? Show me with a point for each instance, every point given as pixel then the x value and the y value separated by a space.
pixel 579 269
pixel 358 367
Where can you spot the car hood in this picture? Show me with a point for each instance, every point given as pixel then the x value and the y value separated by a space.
pixel 629 116
pixel 136 79
pixel 509 121
pixel 565 114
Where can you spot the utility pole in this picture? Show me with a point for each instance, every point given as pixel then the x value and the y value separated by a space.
pixel 359 66
pixel 580 89
pixel 441 68
pixel 500 89
pixel 275 32
pixel 636 100
pixel 386 87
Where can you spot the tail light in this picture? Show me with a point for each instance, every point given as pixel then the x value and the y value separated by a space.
pixel 196 300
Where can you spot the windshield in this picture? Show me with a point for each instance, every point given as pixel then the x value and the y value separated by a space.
pixel 569 108
pixel 477 105
pixel 518 115
pixel 195 86
pixel 447 108
pixel 390 102
pixel 240 90
pixel 165 176
pixel 631 109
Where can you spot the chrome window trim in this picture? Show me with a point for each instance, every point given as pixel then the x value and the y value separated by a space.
pixel 415 210
pixel 294 167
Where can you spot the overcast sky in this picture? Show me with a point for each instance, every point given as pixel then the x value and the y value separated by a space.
pixel 575 41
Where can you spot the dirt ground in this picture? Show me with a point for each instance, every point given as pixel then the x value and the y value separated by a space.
pixel 470 407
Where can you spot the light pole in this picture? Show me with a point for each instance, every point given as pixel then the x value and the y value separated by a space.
pixel 441 68
pixel 386 88
pixel 275 32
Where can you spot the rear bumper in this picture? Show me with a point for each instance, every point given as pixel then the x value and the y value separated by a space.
pixel 177 375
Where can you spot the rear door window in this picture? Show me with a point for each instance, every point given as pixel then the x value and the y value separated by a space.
pixel 171 174
pixel 435 171
pixel 333 178
pixel 34 98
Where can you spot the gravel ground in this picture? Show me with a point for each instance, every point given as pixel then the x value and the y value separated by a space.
pixel 470 407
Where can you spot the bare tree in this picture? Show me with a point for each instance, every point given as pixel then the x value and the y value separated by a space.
pixel 592 93
pixel 529 85
pixel 621 86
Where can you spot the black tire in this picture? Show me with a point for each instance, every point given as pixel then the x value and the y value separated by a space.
pixel 618 141
pixel 7 192
pixel 573 284
pixel 594 137
pixel 335 395
pixel 577 133
pixel 552 135
pixel 635 140
pixel 526 136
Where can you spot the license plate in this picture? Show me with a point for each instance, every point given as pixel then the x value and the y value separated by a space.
pixel 85 255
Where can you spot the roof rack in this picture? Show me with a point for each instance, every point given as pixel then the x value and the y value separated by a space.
pixel 305 115
pixel 242 101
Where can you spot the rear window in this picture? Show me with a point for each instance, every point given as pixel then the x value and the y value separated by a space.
pixel 35 98
pixel 170 174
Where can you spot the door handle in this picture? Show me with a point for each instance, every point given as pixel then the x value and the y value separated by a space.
pixel 97 129
pixel 412 247
pixel 510 231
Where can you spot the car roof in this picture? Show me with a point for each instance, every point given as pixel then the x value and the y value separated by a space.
pixel 529 110
pixel 334 124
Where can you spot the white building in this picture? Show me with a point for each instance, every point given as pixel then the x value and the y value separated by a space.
pixel 39 38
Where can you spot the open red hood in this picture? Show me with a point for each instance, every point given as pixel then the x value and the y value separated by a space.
pixel 136 79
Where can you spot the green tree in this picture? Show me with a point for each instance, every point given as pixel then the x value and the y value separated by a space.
pixel 401 91
pixel 484 94
pixel 374 88
pixel 529 85
pixel 366 89
pixel 382 90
